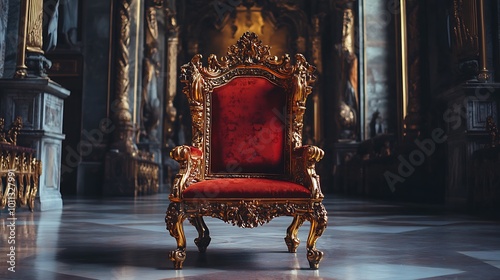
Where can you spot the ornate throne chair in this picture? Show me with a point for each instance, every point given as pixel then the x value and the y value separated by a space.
pixel 247 164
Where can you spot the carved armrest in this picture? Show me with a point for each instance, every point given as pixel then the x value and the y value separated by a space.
pixel 189 158
pixel 304 159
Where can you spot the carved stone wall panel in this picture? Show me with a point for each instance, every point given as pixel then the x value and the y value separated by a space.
pixel 39 112
pixel 51 173
pixel 27 108
pixel 52 114
pixel 478 112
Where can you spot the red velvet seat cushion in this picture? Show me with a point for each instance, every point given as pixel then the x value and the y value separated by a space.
pixel 246 188
pixel 248 127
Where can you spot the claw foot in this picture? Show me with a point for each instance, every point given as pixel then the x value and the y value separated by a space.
pixel 202 243
pixel 314 257
pixel 292 244
pixel 177 256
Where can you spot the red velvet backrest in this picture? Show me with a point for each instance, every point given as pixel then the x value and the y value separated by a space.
pixel 247 130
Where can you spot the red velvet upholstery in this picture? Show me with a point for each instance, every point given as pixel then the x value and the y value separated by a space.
pixel 246 188
pixel 248 132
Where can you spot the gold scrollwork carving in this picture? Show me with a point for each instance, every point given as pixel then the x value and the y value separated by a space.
pixel 304 172
pixel 319 219
pixel 245 213
pixel 189 159
pixel 173 219
pixel 292 241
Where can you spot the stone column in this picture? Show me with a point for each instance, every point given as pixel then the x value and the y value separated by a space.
pixel 128 171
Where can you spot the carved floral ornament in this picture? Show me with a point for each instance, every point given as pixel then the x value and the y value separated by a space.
pixel 247 52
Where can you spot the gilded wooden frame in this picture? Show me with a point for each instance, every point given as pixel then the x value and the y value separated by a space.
pixel 248 57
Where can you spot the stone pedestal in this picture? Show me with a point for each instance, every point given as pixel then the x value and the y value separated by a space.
pixel 468 107
pixel 39 101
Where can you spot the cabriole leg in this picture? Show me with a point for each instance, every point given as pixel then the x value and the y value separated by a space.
pixel 174 218
pixel 318 224
pixel 291 239
pixel 203 239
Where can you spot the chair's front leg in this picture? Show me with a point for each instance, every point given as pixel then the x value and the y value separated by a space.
pixel 291 239
pixel 318 224
pixel 174 219
pixel 203 239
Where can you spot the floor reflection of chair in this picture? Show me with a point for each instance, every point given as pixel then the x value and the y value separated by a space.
pixel 247 164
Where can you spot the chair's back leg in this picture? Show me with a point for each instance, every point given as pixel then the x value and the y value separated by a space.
pixel 318 224
pixel 291 239
pixel 174 219
pixel 203 239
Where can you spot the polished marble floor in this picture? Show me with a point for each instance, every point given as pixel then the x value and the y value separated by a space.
pixel 125 238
